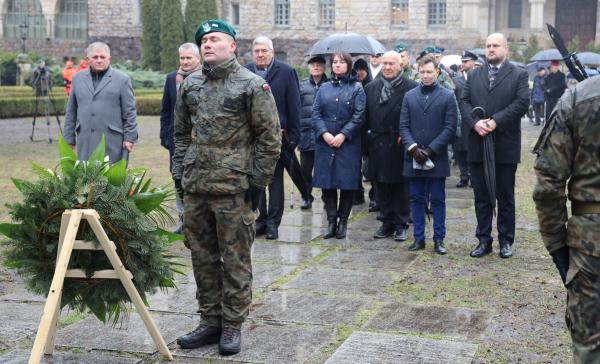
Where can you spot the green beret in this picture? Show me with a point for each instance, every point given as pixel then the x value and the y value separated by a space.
pixel 214 25
pixel 428 49
pixel 400 47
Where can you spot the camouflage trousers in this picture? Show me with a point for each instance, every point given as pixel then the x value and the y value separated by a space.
pixel 220 230
pixel 583 307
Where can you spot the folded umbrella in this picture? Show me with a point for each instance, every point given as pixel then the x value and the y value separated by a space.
pixel 489 158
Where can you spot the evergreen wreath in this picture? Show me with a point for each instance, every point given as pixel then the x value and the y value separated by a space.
pixel 131 213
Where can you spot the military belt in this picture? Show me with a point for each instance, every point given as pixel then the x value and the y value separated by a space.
pixel 579 208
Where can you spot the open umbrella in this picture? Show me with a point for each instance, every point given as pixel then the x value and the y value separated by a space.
pixel 489 158
pixel 450 59
pixel 547 55
pixel 589 57
pixel 353 43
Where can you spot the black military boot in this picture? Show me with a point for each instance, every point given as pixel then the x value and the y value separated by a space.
pixel 201 336
pixel 231 341
pixel 384 231
pixel 343 214
pixel 484 248
pixel 331 210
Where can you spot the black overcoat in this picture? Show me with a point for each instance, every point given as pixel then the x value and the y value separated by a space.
pixel 461 140
pixel 382 121
pixel 506 102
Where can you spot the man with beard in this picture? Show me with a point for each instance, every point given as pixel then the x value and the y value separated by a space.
pixel 386 152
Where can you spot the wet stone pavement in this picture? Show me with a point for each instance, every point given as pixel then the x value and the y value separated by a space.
pixel 315 301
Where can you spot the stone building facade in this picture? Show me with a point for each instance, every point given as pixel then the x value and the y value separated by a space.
pixel 63 28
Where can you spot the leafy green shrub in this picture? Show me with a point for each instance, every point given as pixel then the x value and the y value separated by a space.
pixel 303 72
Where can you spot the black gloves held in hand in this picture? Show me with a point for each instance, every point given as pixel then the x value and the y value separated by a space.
pixel 560 258
pixel 419 155
pixel 253 195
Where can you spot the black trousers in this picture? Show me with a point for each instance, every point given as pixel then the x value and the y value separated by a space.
pixel 272 216
pixel 307 163
pixel 550 104
pixel 505 195
pixel 463 165
pixel 538 110
pixel 394 203
pixel 292 166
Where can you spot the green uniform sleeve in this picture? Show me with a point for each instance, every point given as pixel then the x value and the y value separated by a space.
pixel 553 168
pixel 264 122
pixel 182 134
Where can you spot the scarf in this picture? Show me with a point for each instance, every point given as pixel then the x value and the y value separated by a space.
pixel 181 75
pixel 388 88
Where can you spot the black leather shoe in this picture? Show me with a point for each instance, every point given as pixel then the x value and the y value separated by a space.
pixel 481 250
pixel 341 229
pixel 438 247
pixel 505 250
pixel 306 204
pixel 201 336
pixel 373 206
pixel 417 245
pixel 379 216
pixel 261 229
pixel 400 234
pixel 272 233
pixel 462 183
pixel 384 231
pixel 331 230
pixel 231 341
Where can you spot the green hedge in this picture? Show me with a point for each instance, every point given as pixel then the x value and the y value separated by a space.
pixel 14 107
pixel 27 91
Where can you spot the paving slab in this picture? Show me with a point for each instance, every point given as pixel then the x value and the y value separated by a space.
pixel 94 357
pixel 283 253
pixel 291 234
pixel 363 238
pixel 449 321
pixel 378 348
pixel 457 203
pixel 370 259
pixel 314 218
pixel 181 299
pixel 345 281
pixel 22 295
pixel 289 306
pixel 367 223
pixel 132 336
pixel 266 343
pixel 19 320
pixel 266 274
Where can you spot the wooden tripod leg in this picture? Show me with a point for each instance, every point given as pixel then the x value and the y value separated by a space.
pixel 94 222
pixel 55 288
pixel 49 349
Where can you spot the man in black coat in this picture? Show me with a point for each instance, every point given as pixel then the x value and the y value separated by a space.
pixel 284 84
pixel 460 146
pixel 386 153
pixel 189 62
pixel 554 86
pixel 502 90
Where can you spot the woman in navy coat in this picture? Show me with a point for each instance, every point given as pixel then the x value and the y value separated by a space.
pixel 428 122
pixel 338 113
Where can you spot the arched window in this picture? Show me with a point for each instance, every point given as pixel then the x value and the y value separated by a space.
pixel 25 12
pixel 72 19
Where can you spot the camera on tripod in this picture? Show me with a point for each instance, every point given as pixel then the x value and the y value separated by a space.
pixel 41 81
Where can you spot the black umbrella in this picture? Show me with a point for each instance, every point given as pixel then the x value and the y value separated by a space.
pixel 489 158
pixel 353 43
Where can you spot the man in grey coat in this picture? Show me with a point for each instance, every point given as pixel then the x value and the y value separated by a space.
pixel 101 102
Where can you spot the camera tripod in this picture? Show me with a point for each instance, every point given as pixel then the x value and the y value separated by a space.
pixel 43 93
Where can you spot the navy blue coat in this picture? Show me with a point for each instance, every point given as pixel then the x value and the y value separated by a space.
pixel 284 83
pixel 339 108
pixel 430 121
pixel 308 91
pixel 167 115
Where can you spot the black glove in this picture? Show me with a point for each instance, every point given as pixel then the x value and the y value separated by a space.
pixel 178 188
pixel 429 152
pixel 560 258
pixel 419 155
pixel 253 195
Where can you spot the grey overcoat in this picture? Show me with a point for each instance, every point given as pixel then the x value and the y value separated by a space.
pixel 110 109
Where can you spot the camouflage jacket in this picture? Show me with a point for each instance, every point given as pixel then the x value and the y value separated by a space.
pixel 567 156
pixel 410 73
pixel 227 132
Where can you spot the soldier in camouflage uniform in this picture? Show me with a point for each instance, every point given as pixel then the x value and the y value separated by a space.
pixel 567 152
pixel 227 141
pixel 408 71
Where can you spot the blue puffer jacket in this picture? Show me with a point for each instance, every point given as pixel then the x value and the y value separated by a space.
pixel 308 90
pixel 537 93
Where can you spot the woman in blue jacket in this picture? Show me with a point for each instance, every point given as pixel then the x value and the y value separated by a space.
pixel 338 113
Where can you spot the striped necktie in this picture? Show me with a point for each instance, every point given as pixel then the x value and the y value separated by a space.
pixel 492 74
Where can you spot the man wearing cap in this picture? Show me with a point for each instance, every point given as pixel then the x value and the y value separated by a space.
pixel 284 84
pixel 408 71
pixel 554 85
pixel 460 146
pixel 308 90
pixel 227 141
pixel 375 65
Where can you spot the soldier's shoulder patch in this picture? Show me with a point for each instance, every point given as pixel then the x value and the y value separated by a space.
pixel 266 87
